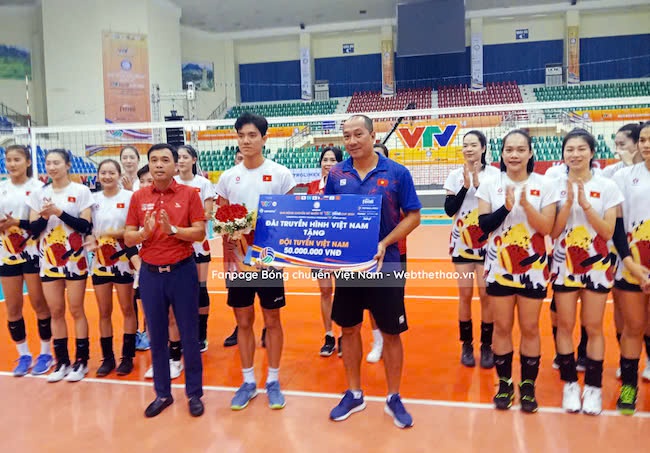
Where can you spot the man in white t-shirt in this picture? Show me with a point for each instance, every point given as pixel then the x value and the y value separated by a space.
pixel 243 184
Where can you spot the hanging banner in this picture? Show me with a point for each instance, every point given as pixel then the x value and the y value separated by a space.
pixel 387 68
pixel 477 61
pixel 126 78
pixel 573 55
pixel 306 81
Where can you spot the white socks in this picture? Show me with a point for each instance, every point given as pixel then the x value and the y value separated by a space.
pixel 249 375
pixel 273 375
pixel 376 337
pixel 23 349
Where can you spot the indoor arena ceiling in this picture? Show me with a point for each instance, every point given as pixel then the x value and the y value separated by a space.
pixel 224 16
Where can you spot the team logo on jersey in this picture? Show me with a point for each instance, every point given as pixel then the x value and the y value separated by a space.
pixel 27 193
pixel 594 194
pixel 237 179
pixel 120 206
pixel 381 182
pixel 71 199
pixel 267 178
pixel 343 182
pixel 563 193
pixel 500 190
pixel 635 181
pixel 534 192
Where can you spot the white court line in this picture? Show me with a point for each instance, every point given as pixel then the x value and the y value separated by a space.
pixel 337 396
pixel 413 296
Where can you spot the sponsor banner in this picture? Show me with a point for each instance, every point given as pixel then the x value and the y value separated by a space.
pixel 387 68
pixel 477 61
pixel 230 134
pixel 126 78
pixel 641 114
pixel 330 232
pixel 306 82
pixel 573 55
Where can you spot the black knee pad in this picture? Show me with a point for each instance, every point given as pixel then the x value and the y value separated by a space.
pixel 45 329
pixel 204 297
pixel 17 330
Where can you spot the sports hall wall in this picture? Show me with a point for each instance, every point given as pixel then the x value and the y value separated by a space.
pixel 603 36
pixel 64 37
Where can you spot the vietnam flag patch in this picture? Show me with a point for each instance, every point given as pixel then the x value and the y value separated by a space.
pixel 267 178
pixel 71 199
pixel 594 194
pixel 27 193
pixel 534 192
pixel 382 182
pixel 120 206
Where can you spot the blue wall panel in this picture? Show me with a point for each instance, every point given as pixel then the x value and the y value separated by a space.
pixel 433 70
pixel 349 74
pixel 277 81
pixel 615 57
pixel 524 62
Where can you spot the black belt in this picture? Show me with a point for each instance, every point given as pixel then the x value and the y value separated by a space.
pixel 167 267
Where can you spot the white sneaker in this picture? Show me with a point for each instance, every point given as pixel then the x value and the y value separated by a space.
pixel 175 368
pixel 592 400
pixel 571 397
pixel 375 353
pixel 646 372
pixel 149 373
pixel 618 372
pixel 59 373
pixel 77 372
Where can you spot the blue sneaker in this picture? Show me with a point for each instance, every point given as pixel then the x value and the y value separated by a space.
pixel 142 341
pixel 243 395
pixel 276 398
pixel 395 409
pixel 348 406
pixel 24 364
pixel 43 364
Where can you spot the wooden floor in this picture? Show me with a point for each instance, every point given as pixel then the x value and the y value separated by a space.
pixel 451 405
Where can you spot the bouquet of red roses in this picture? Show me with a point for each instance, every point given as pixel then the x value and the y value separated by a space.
pixel 233 220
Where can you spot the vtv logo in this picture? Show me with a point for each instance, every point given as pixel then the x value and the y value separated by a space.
pixel 425 136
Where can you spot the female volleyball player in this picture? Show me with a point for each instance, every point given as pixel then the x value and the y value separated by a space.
pixel 467 244
pixel 627 149
pixel 19 260
pixel 329 157
pixel 517 209
pixel 130 159
pixel 583 266
pixel 187 174
pixel 632 240
pixel 112 267
pixel 60 215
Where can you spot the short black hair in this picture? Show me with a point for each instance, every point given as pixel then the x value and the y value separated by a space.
pixel 531 162
pixel 160 146
pixel 338 154
pixel 143 171
pixel 366 120
pixel 256 120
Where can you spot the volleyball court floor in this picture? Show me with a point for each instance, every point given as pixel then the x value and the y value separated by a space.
pixel 451 405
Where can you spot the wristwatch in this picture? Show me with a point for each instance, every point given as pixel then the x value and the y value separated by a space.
pixel 174 230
